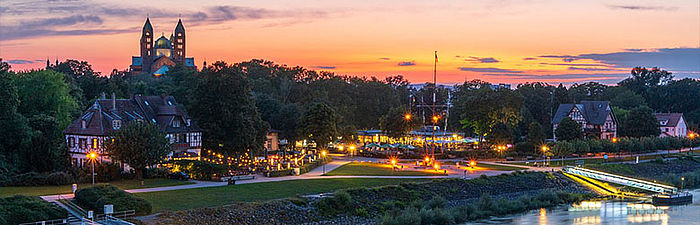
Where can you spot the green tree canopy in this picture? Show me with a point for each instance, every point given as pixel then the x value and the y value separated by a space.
pixel 395 124
pixel 224 107
pixel 45 92
pixel 139 144
pixel 319 124
pixel 639 122
pixel 568 129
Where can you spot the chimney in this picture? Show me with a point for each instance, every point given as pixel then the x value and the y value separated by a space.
pixel 114 102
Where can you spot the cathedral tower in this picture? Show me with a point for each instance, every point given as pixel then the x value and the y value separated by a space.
pixel 179 43
pixel 147 44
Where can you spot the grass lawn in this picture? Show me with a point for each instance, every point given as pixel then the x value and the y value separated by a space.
pixel 64 189
pixel 217 196
pixel 375 169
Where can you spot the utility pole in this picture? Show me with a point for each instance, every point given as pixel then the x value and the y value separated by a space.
pixel 434 102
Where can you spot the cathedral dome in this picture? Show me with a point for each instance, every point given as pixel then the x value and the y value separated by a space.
pixel 162 43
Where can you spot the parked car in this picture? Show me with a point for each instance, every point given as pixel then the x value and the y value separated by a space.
pixel 178 176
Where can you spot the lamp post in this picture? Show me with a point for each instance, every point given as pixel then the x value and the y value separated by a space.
pixel 544 148
pixel 323 153
pixel 92 156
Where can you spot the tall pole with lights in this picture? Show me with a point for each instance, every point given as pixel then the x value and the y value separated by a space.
pixel 435 118
pixel 92 156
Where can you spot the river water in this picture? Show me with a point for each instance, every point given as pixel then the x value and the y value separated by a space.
pixel 609 212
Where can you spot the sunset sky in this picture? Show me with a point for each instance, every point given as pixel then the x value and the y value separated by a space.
pixel 500 41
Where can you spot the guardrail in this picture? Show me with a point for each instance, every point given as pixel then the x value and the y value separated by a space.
pixel 622 180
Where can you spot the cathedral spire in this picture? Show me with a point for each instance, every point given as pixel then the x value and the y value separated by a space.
pixel 147 26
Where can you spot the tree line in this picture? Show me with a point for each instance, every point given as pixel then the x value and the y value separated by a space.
pixel 237 104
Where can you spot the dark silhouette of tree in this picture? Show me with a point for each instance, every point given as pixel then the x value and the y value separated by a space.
pixel 568 129
pixel 139 144
pixel 319 124
pixel 639 122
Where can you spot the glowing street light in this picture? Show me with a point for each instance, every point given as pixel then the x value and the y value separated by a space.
pixel 472 163
pixel 692 135
pixel 435 119
pixel 614 140
pixel 323 153
pixel 92 156
pixel 407 116
pixel 545 148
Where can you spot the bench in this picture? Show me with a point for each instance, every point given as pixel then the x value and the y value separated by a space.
pixel 232 179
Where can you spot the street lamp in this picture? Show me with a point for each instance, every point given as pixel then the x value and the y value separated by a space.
pixel 323 153
pixel 407 116
pixel 614 140
pixel 92 156
pixel 352 150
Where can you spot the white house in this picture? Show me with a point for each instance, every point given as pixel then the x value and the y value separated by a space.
pixel 672 124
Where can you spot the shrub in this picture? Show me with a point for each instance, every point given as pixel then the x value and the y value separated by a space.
pixel 24 209
pixel 199 170
pixel 302 170
pixel 59 178
pixel 409 216
pixel 341 202
pixel 160 172
pixel 94 198
pixel 436 202
pixel 36 179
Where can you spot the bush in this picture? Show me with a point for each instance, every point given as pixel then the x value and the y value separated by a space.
pixel 24 209
pixel 526 148
pixel 341 202
pixel 160 172
pixel 199 170
pixel 94 198
pixel 36 179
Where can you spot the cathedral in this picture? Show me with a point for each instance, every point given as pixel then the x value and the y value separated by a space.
pixel 157 57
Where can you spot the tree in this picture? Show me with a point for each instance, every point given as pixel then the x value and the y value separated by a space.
pixel 14 130
pixel 568 129
pixel 639 122
pixel 587 91
pixel 538 99
pixel 395 124
pixel 642 80
pixel 535 135
pixel 623 98
pixel 139 144
pixel 223 105
pixel 482 109
pixel 562 148
pixel 319 124
pixel 45 92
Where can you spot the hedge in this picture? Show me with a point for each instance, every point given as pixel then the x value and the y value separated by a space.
pixel 36 179
pixel 302 170
pixel 625 144
pixel 94 198
pixel 24 209
pixel 197 169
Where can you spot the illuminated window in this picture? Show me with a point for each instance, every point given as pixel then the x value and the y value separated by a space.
pixel 94 143
pixel 116 124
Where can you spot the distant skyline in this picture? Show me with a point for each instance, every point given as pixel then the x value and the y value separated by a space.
pixel 500 41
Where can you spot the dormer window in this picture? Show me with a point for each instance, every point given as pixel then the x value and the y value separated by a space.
pixel 145 102
pixel 170 103
pixel 153 120
pixel 188 122
pixel 176 123
pixel 83 124
pixel 116 124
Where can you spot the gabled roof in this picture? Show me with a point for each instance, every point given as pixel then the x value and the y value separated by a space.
pixel 594 112
pixel 669 119
pixel 161 110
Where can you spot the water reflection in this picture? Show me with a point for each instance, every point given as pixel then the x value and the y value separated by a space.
pixel 610 212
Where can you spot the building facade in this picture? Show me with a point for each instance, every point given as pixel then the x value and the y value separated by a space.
pixel 672 124
pixel 93 129
pixel 157 55
pixel 595 117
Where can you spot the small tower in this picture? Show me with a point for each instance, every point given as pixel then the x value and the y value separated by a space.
pixel 147 46
pixel 179 43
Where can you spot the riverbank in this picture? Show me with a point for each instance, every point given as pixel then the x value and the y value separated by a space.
pixel 363 205
pixel 684 171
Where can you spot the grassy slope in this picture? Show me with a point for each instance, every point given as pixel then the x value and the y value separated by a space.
pixel 64 189
pixel 375 169
pixel 217 196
